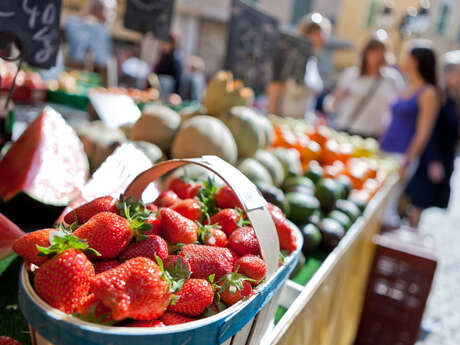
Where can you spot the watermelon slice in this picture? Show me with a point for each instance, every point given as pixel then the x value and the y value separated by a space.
pixel 42 171
pixel 9 232
pixel 113 176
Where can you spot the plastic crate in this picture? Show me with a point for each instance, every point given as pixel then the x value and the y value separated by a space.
pixel 398 288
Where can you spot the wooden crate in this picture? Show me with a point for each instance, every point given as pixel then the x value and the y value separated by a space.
pixel 327 310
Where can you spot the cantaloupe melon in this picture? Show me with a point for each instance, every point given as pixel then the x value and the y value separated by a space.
pixel 204 135
pixel 272 164
pixel 158 125
pixel 255 171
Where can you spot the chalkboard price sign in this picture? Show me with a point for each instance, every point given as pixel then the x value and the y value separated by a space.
pixel 149 15
pixel 292 53
pixel 35 23
pixel 251 45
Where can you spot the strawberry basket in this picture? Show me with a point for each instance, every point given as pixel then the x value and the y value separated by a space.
pixel 242 323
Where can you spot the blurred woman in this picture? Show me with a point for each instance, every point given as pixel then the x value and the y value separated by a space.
pixel 430 186
pixel 293 96
pixel 170 67
pixel 362 98
pixel 413 117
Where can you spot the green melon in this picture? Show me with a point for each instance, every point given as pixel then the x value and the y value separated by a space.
pixel 290 159
pixel 272 164
pixel 255 171
pixel 158 125
pixel 204 135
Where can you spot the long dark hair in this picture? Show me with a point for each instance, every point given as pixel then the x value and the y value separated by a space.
pixel 371 45
pixel 427 64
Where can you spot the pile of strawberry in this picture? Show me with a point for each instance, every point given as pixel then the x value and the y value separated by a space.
pixel 189 254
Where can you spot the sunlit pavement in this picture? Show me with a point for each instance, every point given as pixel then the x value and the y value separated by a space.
pixel 441 323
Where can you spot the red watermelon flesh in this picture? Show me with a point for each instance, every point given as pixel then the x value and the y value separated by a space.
pixel 9 233
pixel 113 176
pixel 47 162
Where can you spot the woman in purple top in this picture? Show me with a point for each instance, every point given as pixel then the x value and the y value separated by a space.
pixel 413 117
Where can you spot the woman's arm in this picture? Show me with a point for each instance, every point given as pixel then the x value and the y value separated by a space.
pixel 274 91
pixel 428 113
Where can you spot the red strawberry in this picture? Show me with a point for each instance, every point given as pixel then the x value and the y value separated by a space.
pixel 189 208
pixel 171 261
pixel 166 199
pixel 86 211
pixel 286 234
pixel 26 246
pixel 275 211
pixel 193 298
pixel 230 298
pixel 153 245
pixel 177 228
pixel 102 266
pixel 213 236
pixel 193 192
pixel 106 232
pixel 152 207
pixel 155 222
pixel 207 260
pixel 180 186
pixel 133 290
pixel 226 198
pixel 4 340
pixel 228 219
pixel 234 287
pixel 151 323
pixel 64 280
pixel 244 241
pixel 170 318
pixel 93 310
pixel 252 266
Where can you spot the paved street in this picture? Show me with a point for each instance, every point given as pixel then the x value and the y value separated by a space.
pixel 441 322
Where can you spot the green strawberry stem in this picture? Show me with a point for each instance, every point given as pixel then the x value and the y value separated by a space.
pixel 136 214
pixel 233 281
pixel 175 276
pixel 62 240
pixel 90 316
pixel 207 197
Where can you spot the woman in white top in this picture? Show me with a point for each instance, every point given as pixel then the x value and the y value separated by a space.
pixel 363 96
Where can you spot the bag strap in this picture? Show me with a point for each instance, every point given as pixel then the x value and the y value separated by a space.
pixel 364 101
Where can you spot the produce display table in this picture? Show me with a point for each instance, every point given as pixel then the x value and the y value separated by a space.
pixel 327 310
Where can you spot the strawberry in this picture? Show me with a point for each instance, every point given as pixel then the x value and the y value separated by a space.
pixel 172 261
pixel 189 208
pixel 150 323
pixel 152 207
pixel 211 235
pixel 244 241
pixel 193 298
pixel 230 298
pixel 155 222
pixel 102 266
pixel 207 260
pixel 91 309
pixel 180 186
pixel 26 246
pixel 253 267
pixel 226 198
pixel 64 280
pixel 166 199
pixel 284 228
pixel 4 340
pixel 234 287
pixel 84 212
pixel 133 290
pixel 193 192
pixel 153 245
pixel 228 219
pixel 106 232
pixel 170 318
pixel 176 228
